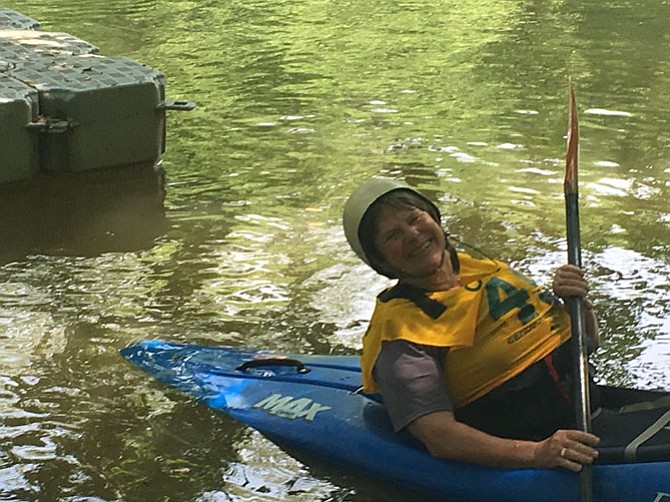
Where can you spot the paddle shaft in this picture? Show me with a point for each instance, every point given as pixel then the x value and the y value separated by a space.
pixel 579 356
pixel 576 304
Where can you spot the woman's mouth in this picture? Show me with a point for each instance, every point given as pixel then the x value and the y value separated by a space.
pixel 421 249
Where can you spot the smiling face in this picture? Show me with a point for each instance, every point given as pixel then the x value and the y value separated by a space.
pixel 410 241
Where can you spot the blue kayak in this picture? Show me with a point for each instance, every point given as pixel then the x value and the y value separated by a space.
pixel 312 404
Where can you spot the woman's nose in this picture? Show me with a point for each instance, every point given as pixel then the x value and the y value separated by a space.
pixel 412 231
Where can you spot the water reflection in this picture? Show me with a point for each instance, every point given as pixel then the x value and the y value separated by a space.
pixel 83 214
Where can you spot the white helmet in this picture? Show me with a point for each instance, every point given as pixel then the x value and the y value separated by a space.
pixel 361 200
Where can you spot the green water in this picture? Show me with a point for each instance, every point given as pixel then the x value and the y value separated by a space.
pixel 298 102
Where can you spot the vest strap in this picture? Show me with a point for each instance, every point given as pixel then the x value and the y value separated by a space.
pixel 417 296
pixel 549 363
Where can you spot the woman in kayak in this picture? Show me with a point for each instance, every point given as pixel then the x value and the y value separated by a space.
pixel 469 355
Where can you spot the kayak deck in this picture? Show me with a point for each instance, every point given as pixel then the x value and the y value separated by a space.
pixel 313 404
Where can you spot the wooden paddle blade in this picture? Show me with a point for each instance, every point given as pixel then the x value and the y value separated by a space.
pixel 571 157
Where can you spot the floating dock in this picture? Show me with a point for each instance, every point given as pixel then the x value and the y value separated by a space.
pixel 66 108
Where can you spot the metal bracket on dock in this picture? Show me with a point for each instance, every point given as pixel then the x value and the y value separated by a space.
pixel 171 104
pixel 51 125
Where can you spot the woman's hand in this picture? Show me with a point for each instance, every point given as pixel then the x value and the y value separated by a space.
pixel 569 449
pixel 569 282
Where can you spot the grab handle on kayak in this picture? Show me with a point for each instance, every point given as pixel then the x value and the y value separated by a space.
pixel 256 363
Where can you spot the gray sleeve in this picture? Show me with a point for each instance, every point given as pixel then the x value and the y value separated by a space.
pixel 411 381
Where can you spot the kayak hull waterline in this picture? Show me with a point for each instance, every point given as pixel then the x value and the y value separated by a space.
pixel 311 404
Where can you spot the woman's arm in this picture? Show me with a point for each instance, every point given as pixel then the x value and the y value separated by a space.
pixel 411 380
pixel 592 329
pixel 445 437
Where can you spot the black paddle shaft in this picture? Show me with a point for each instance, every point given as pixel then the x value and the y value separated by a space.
pixel 579 357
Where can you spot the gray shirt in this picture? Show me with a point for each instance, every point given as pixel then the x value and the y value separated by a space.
pixel 411 380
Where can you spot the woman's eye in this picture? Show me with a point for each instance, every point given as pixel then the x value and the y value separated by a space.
pixel 416 218
pixel 390 236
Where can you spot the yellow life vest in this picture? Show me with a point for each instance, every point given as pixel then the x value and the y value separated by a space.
pixel 496 324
